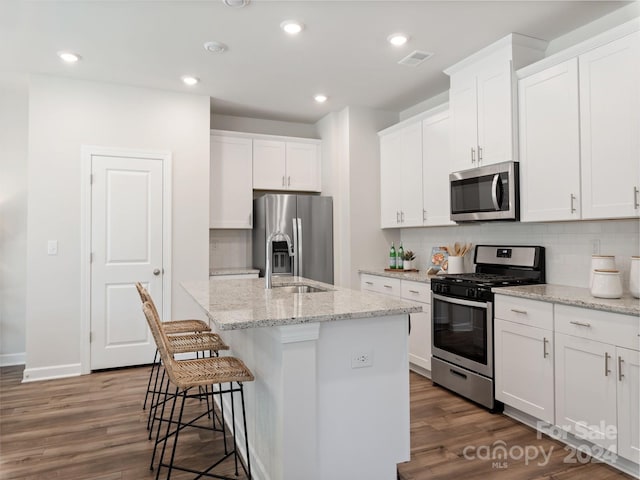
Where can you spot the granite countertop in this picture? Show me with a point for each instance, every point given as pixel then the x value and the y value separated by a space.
pixel 232 271
pixel 576 296
pixel 420 276
pixel 245 303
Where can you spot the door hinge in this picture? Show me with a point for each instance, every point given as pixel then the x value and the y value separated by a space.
pixel 90 337
pixel 90 178
pixel 91 257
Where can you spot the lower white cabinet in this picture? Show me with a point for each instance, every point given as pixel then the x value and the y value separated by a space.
pixel 628 363
pixel 524 368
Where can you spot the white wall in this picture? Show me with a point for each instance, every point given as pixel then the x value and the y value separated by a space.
pixel 64 115
pixel 258 125
pixel 568 244
pixel 14 99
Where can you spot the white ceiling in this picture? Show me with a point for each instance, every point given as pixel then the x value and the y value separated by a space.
pixel 265 73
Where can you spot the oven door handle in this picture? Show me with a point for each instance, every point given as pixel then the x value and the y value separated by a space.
pixel 459 301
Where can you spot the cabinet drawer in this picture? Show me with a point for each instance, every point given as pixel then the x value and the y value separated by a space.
pixel 605 327
pixel 384 285
pixel 522 310
pixel 416 291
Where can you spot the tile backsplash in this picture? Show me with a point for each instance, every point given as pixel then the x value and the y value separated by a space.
pixel 569 245
pixel 230 249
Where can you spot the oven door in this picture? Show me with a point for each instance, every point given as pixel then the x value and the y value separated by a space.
pixel 463 333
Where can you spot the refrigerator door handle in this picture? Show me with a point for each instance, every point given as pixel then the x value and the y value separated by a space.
pixel 299 255
pixel 295 248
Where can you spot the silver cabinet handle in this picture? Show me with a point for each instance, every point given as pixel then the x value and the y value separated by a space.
pixel 515 310
pixel 473 155
pixel 283 180
pixel 620 374
pixel 156 271
pixel 289 181
pixel 588 325
pixel 397 216
pixel 388 286
pixel 606 364
pixel 369 283
pixel 424 215
pixel 479 153
pixel 636 203
pixel 573 209
pixel 401 216
pixel 545 341
pixel 414 291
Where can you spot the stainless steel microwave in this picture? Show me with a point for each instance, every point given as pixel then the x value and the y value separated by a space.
pixel 485 193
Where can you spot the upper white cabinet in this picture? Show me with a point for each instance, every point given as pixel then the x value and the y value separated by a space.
pixel 482 101
pixel 610 129
pixel 231 194
pixel 436 166
pixel 550 144
pixel 286 165
pixel 401 176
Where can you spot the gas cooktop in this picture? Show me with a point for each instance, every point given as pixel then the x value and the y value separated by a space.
pixel 486 279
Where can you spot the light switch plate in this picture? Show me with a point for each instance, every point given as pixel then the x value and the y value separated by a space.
pixel 52 247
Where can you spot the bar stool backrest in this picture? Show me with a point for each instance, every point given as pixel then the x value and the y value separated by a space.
pixel 160 338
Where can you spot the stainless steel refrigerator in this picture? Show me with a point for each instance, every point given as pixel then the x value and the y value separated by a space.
pixel 308 221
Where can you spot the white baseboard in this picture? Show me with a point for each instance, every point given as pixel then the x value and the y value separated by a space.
pixel 49 373
pixel 9 359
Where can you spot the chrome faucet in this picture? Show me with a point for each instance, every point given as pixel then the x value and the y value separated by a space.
pixel 268 271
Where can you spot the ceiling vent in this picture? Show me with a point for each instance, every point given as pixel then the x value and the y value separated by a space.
pixel 415 58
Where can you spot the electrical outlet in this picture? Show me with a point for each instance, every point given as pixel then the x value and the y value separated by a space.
pixel 361 359
pixel 52 247
pixel 595 246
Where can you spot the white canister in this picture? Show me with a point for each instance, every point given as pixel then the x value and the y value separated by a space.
pixel 456 264
pixel 634 277
pixel 606 284
pixel 601 262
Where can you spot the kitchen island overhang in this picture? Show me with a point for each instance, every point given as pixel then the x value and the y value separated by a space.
pixel 317 410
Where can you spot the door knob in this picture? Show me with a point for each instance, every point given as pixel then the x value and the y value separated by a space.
pixel 156 271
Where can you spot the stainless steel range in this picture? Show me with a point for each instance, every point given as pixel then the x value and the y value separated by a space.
pixel 462 312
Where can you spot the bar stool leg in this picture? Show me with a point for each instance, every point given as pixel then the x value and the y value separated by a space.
pixel 155 446
pixel 233 428
pixel 153 367
pixel 154 404
pixel 246 434
pixel 175 440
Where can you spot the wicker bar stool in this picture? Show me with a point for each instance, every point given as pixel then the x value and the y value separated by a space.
pixel 175 327
pixel 189 374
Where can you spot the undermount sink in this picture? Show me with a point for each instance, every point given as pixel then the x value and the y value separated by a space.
pixel 298 288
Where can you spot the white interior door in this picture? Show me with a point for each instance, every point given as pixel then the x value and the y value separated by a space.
pixel 126 247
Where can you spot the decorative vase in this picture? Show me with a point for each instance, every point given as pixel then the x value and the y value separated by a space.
pixel 408 264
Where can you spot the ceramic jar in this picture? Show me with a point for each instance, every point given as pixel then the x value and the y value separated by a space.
pixel 634 277
pixel 601 262
pixel 606 284
pixel 456 264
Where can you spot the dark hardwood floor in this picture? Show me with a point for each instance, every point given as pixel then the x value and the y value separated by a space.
pixel 93 427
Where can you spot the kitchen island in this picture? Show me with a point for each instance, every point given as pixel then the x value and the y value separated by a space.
pixel 331 396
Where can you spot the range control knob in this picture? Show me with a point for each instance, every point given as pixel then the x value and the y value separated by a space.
pixel 471 293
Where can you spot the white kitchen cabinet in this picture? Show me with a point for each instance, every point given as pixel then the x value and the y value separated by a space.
pixel 609 126
pixel 420 335
pixel 482 113
pixel 597 382
pixel 401 176
pixel 550 144
pixel 286 165
pixel 523 343
pixel 231 194
pixel 436 166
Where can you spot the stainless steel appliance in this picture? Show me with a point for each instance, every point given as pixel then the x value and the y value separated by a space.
pixel 462 312
pixel 485 193
pixel 308 222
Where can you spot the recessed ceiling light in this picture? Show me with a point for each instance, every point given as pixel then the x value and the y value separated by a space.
pixel 69 57
pixel 292 27
pixel 189 80
pixel 397 39
pixel 215 47
pixel 236 3
pixel 320 98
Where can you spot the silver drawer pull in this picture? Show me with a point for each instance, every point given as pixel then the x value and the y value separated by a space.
pixel 588 325
pixel 388 286
pixel 620 374
pixel 515 310
pixel 414 291
pixel 606 364
pixel 545 341
pixel 369 283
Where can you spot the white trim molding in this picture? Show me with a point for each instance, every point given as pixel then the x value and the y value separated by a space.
pixel 50 373
pixel 9 359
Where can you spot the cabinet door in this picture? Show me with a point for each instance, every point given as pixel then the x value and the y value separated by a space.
pixel 586 389
pixel 390 161
pixel 609 126
pixel 303 166
pixel 436 166
pixel 420 338
pixel 495 114
pixel 409 176
pixel 550 144
pixel 231 195
pixel 463 105
pixel 524 368
pixel 628 403
pixel 269 165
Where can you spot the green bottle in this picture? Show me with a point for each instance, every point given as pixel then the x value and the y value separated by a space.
pixel 400 258
pixel 392 256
